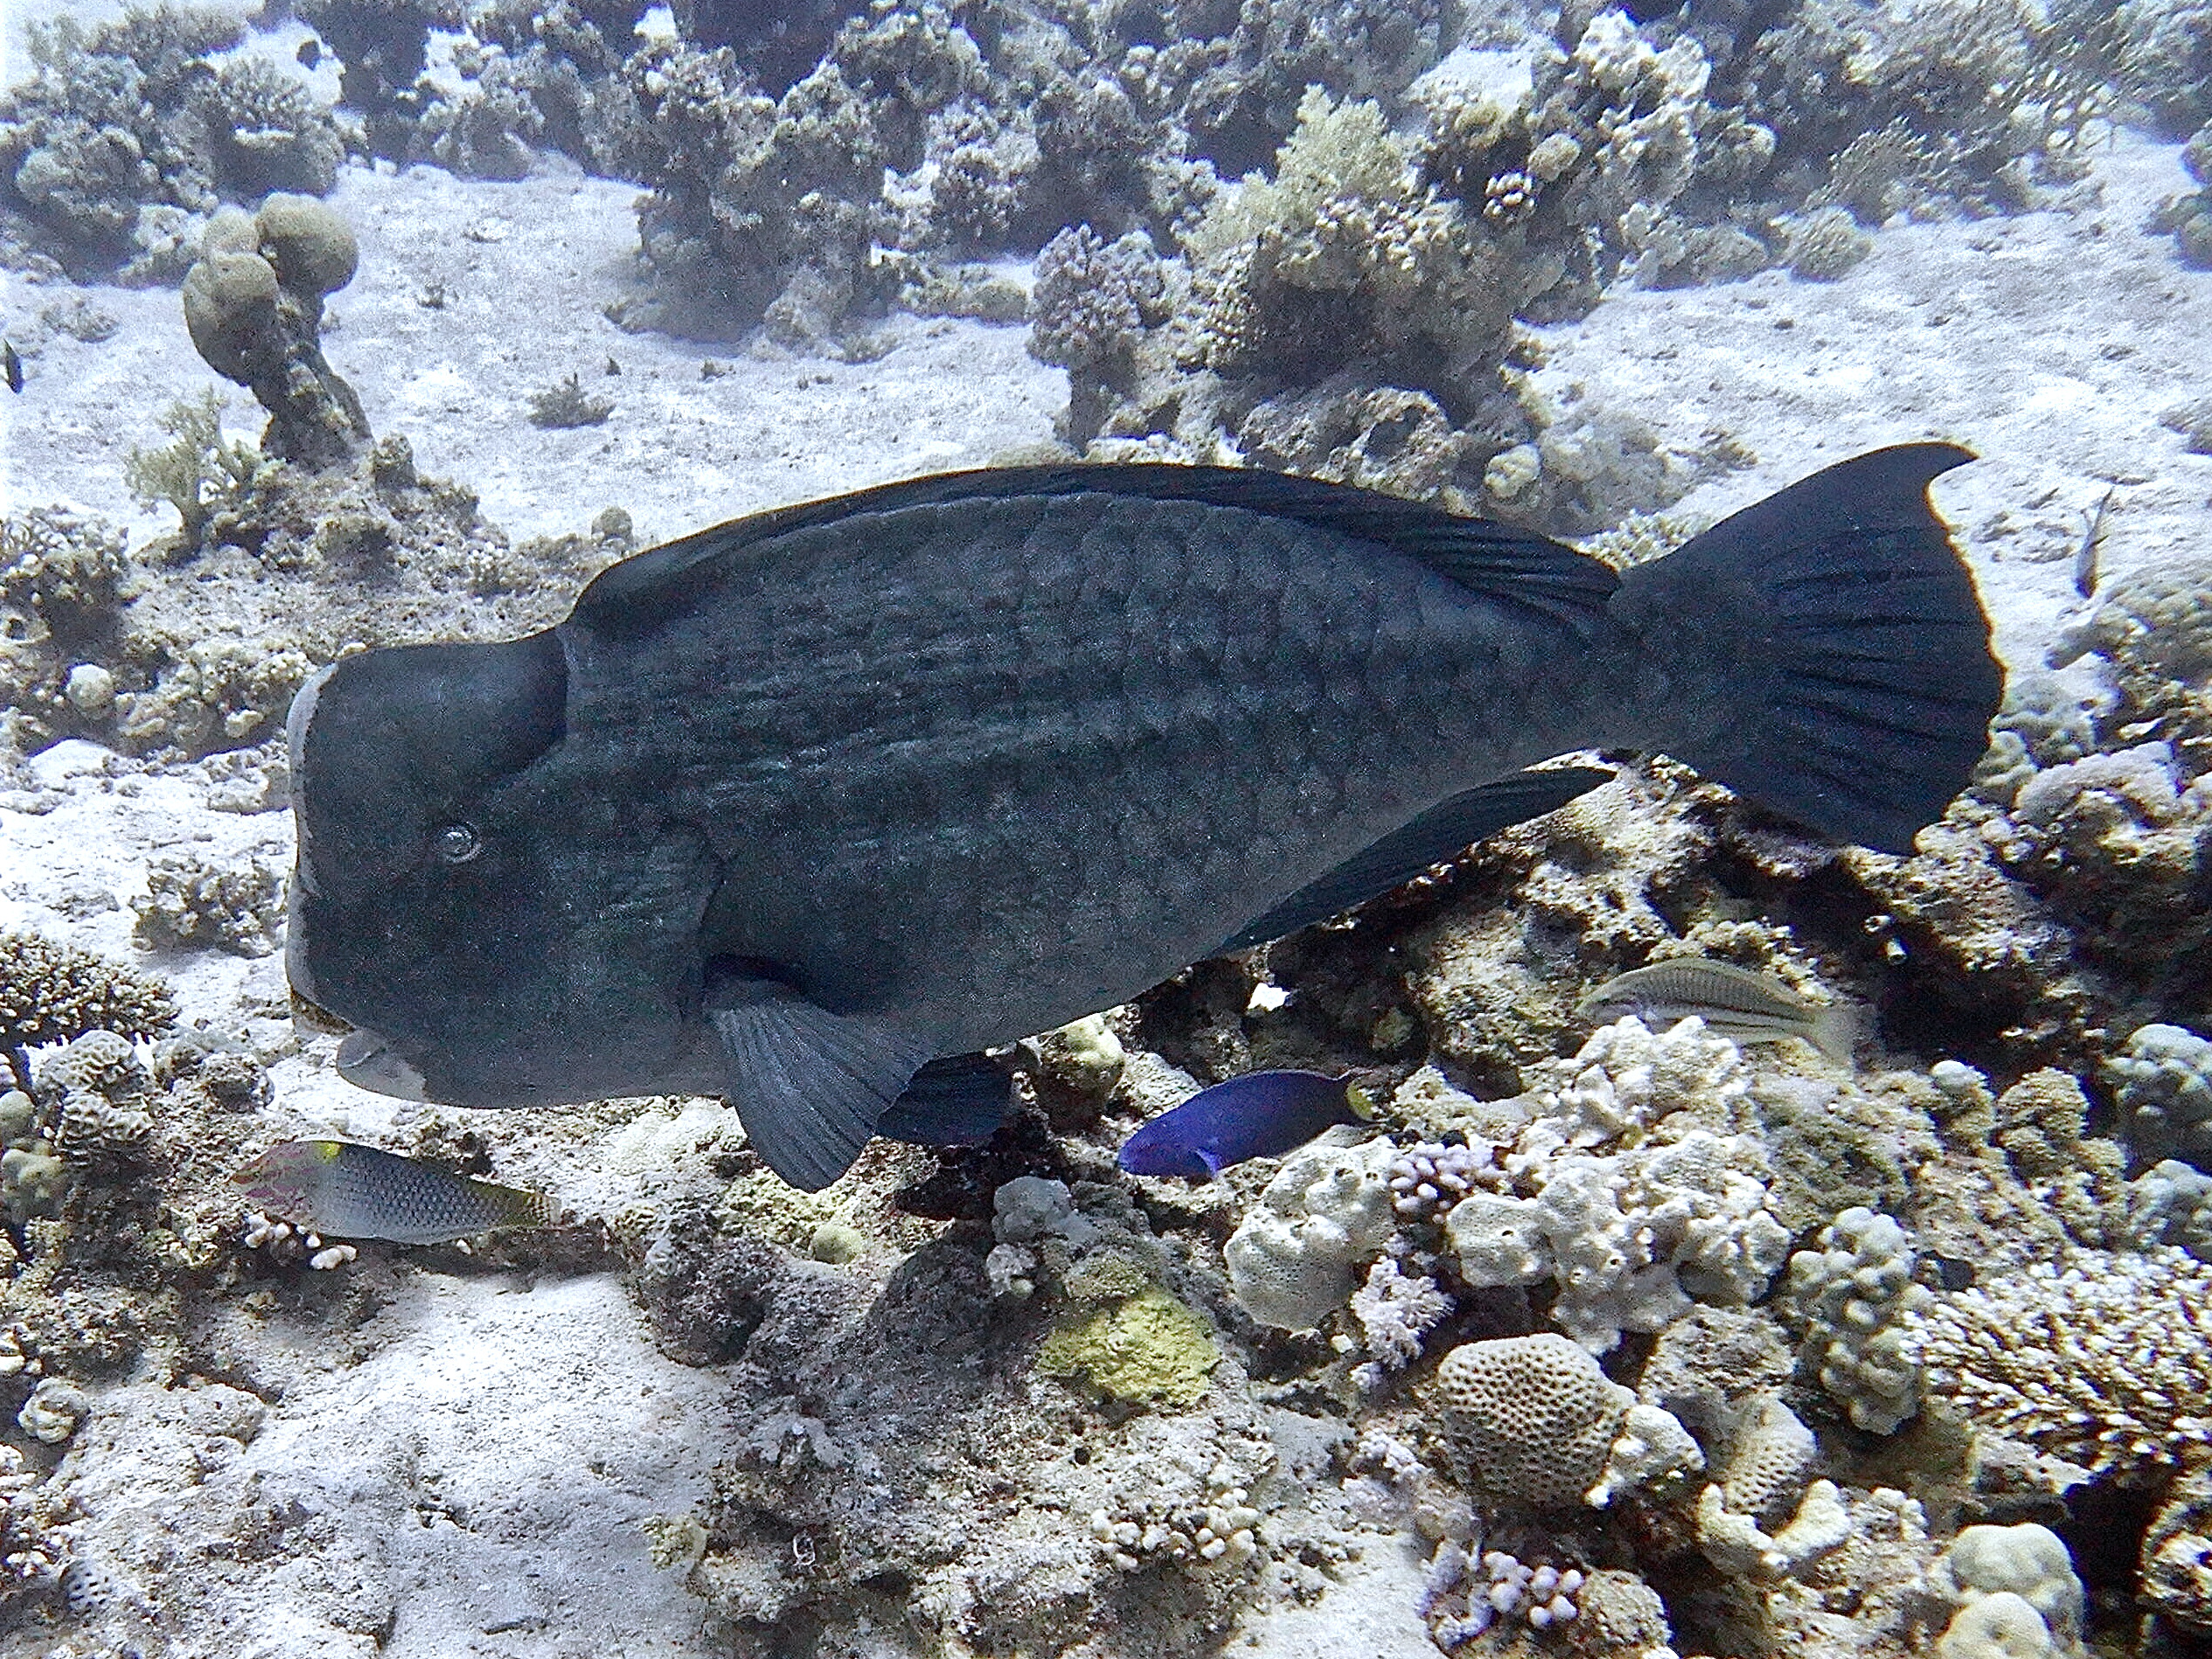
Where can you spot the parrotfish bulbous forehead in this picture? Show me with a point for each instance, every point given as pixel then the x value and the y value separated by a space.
pixel 422 904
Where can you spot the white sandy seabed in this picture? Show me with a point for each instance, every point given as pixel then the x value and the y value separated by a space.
pixel 475 1461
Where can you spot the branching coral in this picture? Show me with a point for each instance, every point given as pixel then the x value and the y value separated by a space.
pixel 486 130
pixel 50 993
pixel 197 470
pixel 266 131
pixel 1630 1236
pixel 1343 256
pixel 2106 1362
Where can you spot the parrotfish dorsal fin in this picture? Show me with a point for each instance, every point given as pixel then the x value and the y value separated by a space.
pixel 1509 565
pixel 1438 833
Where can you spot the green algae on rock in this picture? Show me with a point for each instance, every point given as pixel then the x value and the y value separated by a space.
pixel 1149 1349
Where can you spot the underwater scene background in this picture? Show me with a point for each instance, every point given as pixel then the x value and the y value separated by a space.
pixel 357 323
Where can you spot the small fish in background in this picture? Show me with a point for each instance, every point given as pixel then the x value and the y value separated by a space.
pixel 1736 1002
pixel 347 1191
pixel 13 363
pixel 1261 1114
pixel 2085 560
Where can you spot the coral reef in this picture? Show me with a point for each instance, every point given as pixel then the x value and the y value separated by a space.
pixel 254 303
pixel 62 578
pixel 2188 215
pixel 1629 1236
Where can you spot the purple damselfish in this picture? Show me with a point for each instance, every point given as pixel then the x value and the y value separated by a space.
pixel 1261 1114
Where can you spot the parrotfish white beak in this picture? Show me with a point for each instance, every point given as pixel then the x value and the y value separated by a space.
pixel 368 1061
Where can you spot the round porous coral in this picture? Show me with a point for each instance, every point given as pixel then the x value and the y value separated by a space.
pixel 311 250
pixel 230 310
pixel 2001 1626
pixel 1533 1417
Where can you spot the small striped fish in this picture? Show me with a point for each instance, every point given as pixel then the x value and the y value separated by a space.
pixel 1735 1002
pixel 352 1191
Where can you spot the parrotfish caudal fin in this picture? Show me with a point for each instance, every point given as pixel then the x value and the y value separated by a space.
pixel 1824 651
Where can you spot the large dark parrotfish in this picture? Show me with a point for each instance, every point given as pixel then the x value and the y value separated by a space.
pixel 809 809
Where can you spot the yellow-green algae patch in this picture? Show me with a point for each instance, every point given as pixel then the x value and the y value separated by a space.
pixel 1148 1349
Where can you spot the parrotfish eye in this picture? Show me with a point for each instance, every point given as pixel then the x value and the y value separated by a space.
pixel 455 842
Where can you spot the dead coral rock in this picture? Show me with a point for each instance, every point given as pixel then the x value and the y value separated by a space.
pixel 2177 1557
pixel 1711 1367
pixel 1539 911
pixel 2040 1122
pixel 62 575
pixel 1967 940
pixel 1383 438
pixel 192 904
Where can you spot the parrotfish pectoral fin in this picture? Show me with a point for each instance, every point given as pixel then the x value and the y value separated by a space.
pixel 809 1085
pixel 1445 830
pixel 1826 649
pixel 961 1100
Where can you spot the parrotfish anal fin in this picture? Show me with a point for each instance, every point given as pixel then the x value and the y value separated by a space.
pixel 958 1101
pixel 809 1085
pixel 1508 565
pixel 1444 830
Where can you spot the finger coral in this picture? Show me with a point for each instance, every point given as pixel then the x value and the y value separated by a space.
pixel 1853 1295
pixel 2162 1083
